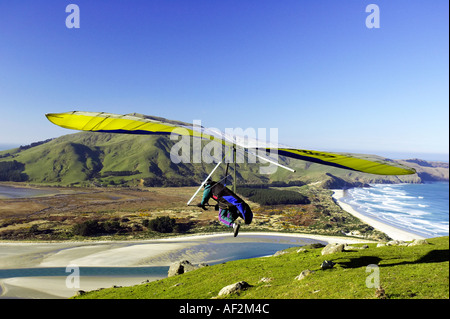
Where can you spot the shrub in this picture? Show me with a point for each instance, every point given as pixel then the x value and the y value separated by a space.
pixel 93 227
pixel 182 227
pixel 87 228
pixel 163 224
pixel 273 196
pixel 12 172
pixel 172 182
pixel 112 226
pixel 119 173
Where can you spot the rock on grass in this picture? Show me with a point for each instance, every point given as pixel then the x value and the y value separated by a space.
pixel 233 288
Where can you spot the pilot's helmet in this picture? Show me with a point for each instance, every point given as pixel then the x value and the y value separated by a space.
pixel 209 182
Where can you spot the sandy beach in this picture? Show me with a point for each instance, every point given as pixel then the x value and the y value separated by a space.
pixel 391 231
pixel 33 261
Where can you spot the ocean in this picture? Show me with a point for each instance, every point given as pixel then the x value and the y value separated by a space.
pixel 422 209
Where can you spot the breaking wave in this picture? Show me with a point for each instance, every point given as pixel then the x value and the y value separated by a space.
pixel 419 208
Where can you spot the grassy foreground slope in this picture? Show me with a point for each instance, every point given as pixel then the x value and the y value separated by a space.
pixel 405 272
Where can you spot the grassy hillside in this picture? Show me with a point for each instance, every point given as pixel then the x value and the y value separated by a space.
pixel 405 272
pixel 86 159
pixel 111 159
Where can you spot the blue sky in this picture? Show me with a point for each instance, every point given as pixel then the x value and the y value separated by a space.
pixel 312 69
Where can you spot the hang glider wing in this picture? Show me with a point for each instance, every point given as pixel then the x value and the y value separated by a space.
pixel 355 162
pixel 114 123
pixel 148 125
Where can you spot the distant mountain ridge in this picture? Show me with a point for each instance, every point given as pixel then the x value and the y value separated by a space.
pixel 92 159
pixel 428 171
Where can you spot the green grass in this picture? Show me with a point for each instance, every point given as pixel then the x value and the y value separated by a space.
pixel 405 272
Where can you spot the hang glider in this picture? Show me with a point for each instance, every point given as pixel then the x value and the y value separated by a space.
pixel 148 125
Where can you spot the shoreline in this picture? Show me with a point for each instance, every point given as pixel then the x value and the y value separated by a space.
pixel 210 248
pixel 392 231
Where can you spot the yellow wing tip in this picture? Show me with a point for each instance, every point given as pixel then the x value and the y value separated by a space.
pixel 411 171
pixel 53 117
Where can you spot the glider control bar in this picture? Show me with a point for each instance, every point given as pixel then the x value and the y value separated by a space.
pixel 203 183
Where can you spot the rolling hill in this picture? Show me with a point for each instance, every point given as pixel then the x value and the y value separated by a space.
pixel 86 158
